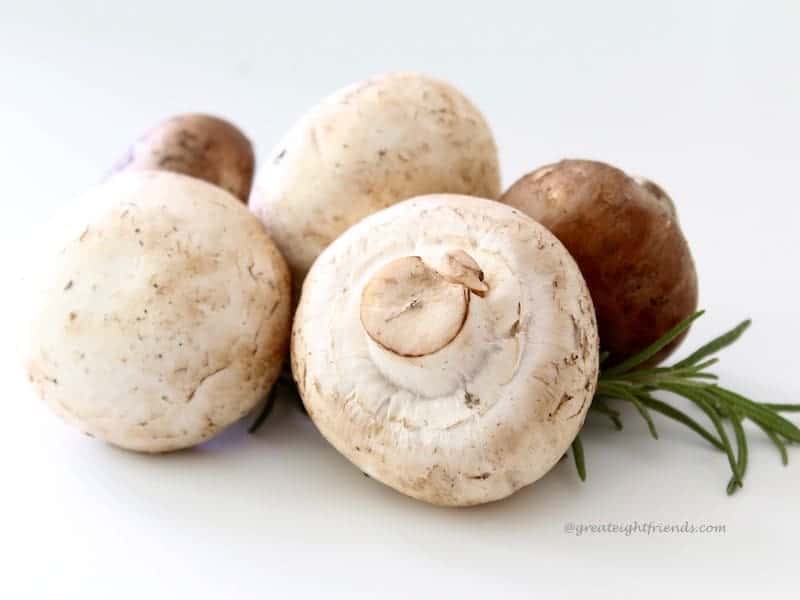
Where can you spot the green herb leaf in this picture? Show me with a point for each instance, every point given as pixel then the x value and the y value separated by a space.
pixel 681 417
pixel 580 460
pixel 655 347
pixel 715 345
pixel 741 455
pixel 599 405
pixel 701 400
pixel 758 413
pixel 645 415
pixel 778 444
pixel 783 407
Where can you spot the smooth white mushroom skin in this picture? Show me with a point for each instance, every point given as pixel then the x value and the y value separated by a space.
pixel 160 314
pixel 450 413
pixel 364 148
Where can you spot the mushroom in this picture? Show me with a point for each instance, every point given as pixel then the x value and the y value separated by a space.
pixel 364 148
pixel 447 347
pixel 625 236
pixel 199 145
pixel 160 313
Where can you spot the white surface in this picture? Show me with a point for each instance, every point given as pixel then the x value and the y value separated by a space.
pixel 702 97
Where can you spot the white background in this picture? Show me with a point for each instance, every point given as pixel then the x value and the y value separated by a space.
pixel 702 97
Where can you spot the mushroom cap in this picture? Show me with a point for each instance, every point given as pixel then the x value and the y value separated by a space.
pixel 364 148
pixel 202 146
pixel 474 418
pixel 625 236
pixel 160 314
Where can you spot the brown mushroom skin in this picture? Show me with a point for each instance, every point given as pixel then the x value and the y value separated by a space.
pixel 198 145
pixel 628 244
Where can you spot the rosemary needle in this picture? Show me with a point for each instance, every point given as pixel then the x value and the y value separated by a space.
pixel 741 457
pixel 600 406
pixel 577 454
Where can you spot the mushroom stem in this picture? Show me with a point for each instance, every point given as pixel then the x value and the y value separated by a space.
pixel 413 313
pixel 413 310
pixel 460 267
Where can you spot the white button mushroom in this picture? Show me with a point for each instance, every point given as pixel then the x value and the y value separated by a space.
pixel 364 148
pixel 447 346
pixel 160 315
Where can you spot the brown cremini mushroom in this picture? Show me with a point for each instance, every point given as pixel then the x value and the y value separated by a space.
pixel 625 236
pixel 198 145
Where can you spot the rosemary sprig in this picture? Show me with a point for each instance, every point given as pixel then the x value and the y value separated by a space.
pixel 689 379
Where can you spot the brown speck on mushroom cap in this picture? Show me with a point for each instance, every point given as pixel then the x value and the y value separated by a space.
pixel 198 145
pixel 625 236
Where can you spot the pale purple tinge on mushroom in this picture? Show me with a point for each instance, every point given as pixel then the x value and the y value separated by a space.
pixel 447 346
pixel 198 145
